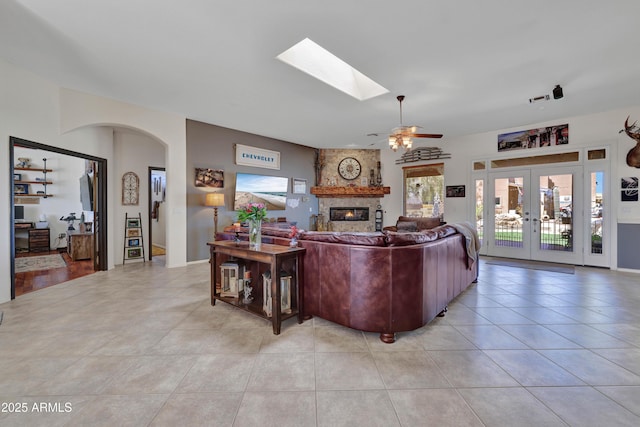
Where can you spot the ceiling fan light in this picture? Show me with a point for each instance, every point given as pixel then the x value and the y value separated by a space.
pixel 392 140
pixel 406 140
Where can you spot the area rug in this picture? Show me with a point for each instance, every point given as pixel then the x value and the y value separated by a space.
pixel 157 250
pixel 42 262
pixel 533 265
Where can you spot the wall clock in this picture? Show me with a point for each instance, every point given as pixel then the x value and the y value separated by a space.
pixel 130 188
pixel 349 168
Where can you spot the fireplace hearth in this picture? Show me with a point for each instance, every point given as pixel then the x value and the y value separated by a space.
pixel 349 214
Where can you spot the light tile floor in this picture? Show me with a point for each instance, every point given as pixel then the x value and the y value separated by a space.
pixel 141 345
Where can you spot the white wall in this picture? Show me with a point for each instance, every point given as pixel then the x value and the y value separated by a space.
pixel 135 152
pixel 592 130
pixel 79 110
pixel 30 110
pixel 35 109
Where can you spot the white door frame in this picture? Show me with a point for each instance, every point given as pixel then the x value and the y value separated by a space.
pixel 589 164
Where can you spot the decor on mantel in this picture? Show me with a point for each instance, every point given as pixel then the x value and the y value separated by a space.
pixel 375 180
pixel 253 214
pixel 423 153
pixel 319 165
pixel 633 131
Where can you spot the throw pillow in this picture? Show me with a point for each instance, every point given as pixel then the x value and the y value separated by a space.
pixel 407 226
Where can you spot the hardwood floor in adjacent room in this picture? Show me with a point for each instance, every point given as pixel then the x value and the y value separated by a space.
pixel 33 280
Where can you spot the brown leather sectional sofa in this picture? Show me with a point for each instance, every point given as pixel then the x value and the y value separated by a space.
pixel 383 282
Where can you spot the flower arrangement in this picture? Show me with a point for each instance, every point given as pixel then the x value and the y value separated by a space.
pixel 293 235
pixel 253 212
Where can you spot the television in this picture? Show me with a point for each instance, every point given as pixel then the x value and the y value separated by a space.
pixel 18 213
pixel 267 189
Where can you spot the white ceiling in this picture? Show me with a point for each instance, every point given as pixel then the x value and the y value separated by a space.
pixel 465 66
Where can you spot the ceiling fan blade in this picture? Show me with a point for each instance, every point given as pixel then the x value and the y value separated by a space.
pixel 427 135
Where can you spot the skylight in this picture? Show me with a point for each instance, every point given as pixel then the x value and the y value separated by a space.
pixel 318 62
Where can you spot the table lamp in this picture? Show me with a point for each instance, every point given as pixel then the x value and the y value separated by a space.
pixel 214 200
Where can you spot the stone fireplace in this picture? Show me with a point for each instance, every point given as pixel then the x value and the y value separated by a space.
pixel 348 205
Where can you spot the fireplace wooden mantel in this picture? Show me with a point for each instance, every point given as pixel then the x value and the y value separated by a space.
pixel 327 191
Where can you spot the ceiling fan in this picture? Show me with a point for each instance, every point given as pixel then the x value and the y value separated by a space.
pixel 402 136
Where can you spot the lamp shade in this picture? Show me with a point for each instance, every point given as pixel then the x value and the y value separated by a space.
pixel 214 199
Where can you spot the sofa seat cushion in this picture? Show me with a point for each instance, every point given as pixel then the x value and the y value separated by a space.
pixel 348 238
pixel 404 238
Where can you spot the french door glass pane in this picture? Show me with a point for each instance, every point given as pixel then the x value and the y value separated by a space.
pixel 556 219
pixel 509 199
pixel 480 209
pixel 597 181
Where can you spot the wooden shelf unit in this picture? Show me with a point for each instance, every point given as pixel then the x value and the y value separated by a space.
pixel 44 182
pixel 133 243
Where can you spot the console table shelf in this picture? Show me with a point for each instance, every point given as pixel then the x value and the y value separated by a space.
pixel 275 258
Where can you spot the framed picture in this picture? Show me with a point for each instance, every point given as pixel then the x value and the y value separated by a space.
pixel 133 223
pixel 133 242
pixel 209 178
pixel 534 138
pixel 21 188
pixel 133 232
pixel 629 191
pixel 17 177
pixel 455 191
pixel 299 186
pixel 134 253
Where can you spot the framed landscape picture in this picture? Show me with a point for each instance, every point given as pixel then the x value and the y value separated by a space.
pixel 134 253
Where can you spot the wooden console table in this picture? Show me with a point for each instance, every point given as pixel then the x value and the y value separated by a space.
pixel 275 258
pixel 80 245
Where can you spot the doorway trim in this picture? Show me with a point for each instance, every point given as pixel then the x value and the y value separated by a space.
pixel 101 199
pixel 594 158
pixel 150 205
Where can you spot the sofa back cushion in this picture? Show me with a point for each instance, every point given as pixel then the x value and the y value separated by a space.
pixel 404 238
pixel 348 238
pixel 421 223
pixel 405 226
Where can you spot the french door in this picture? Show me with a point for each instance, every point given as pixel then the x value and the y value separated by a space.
pixel 536 214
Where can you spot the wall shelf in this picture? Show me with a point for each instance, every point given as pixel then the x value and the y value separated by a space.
pixel 350 191
pixel 27 183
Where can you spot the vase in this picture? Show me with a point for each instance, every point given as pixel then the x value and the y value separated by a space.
pixel 255 233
